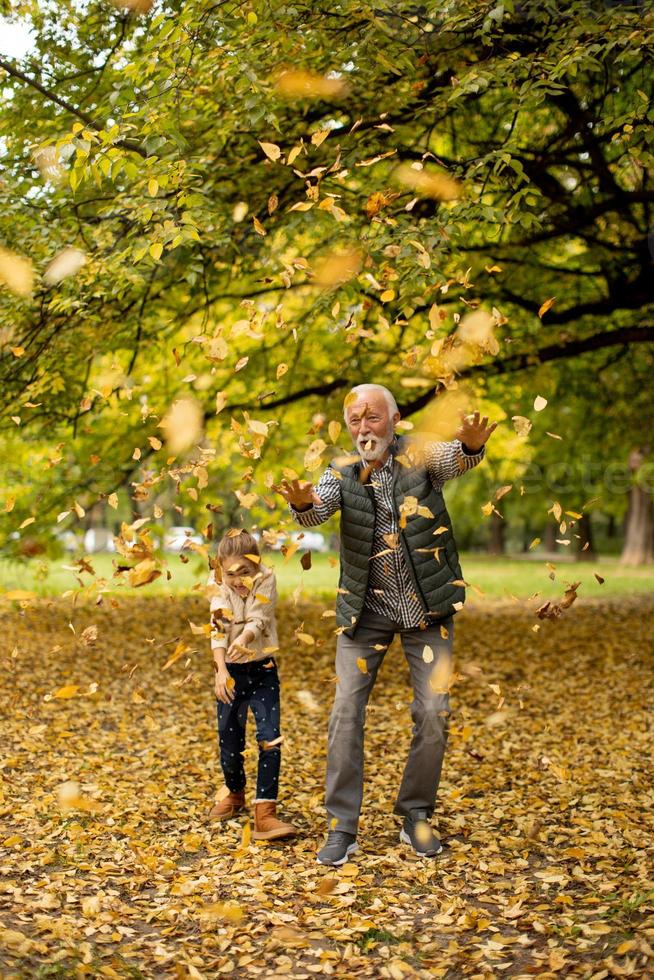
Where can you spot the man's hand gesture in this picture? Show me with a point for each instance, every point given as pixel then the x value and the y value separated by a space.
pixel 475 432
pixel 298 493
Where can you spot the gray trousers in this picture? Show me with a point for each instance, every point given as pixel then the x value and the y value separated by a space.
pixel 429 711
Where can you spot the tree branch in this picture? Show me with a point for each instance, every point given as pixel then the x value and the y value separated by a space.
pixel 88 120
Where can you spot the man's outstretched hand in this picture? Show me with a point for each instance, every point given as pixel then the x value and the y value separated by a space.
pixel 298 493
pixel 475 432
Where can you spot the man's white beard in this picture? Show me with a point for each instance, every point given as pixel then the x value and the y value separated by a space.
pixel 372 448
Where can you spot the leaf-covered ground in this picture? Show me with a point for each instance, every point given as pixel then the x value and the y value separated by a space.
pixel 109 868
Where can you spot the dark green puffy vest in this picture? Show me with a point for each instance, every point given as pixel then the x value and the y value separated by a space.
pixel 433 579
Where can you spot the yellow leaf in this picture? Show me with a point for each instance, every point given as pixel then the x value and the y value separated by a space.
pixel 66 692
pixel 387 295
pixel 155 250
pixel 428 655
pixel 112 500
pixel 302 206
pixel 281 370
pixel 142 573
pixel 539 403
pixel 258 227
pixel 271 150
pixel 16 273
pixel 18 595
pixel 153 187
pixel 334 430
pixel 547 305
pixel 155 443
pixel 305 638
pixel 17 351
pixel 362 665
pixel 319 137
pixel 441 675
pixel 178 652
pixel 27 522
pixel 307 85
pixel 521 425
pixel 429 183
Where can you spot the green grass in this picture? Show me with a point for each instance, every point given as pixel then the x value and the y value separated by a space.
pixel 496 578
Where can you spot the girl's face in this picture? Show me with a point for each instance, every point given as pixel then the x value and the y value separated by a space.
pixel 234 569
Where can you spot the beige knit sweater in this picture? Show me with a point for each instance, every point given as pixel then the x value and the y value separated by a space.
pixel 232 613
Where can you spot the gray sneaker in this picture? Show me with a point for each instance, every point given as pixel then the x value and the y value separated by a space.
pixel 337 848
pixel 417 832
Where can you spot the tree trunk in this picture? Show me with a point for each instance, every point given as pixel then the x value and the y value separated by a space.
pixel 496 541
pixel 551 531
pixel 638 548
pixel 585 531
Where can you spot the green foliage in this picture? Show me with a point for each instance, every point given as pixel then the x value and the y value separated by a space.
pixel 210 204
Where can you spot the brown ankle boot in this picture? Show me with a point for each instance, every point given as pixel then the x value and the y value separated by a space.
pixel 266 824
pixel 228 807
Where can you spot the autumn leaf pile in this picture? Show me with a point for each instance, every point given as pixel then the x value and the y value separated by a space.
pixel 109 867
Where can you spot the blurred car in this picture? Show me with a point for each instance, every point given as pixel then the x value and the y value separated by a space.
pixel 98 539
pixel 310 540
pixel 177 538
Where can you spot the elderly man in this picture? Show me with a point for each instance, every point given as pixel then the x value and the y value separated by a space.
pixel 400 574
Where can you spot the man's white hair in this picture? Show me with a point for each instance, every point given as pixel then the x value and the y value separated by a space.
pixel 380 390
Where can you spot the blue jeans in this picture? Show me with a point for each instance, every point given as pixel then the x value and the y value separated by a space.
pixel 256 687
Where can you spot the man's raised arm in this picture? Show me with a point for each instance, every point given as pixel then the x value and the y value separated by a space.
pixel 447 460
pixel 309 506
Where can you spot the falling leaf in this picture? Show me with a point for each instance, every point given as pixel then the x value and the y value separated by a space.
pixel 427 654
pixel 66 692
pixel 16 273
pixel 362 665
pixel 337 267
pixel 547 305
pixel 66 263
pixel 539 403
pixel 142 573
pixel 182 425
pixel 441 675
pixel 429 183
pixel 271 150
pixel 521 425
pixel 299 84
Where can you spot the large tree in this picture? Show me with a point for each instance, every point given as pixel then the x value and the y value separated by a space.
pixel 323 190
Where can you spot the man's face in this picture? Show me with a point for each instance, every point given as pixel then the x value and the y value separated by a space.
pixel 371 426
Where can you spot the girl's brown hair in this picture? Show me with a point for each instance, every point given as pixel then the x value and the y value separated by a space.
pixel 236 542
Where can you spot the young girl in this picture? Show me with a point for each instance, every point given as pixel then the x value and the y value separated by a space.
pixel 242 595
